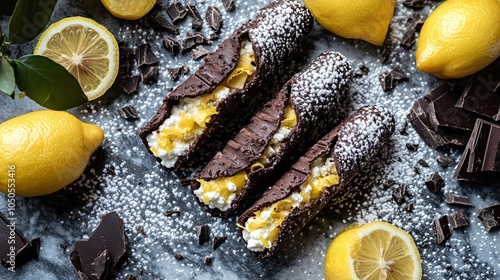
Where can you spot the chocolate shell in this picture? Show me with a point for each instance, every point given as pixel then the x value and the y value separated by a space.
pixel 353 144
pixel 315 94
pixel 275 33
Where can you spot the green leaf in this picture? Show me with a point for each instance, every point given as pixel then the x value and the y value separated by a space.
pixel 7 78
pixel 29 19
pixel 48 83
pixel 7 7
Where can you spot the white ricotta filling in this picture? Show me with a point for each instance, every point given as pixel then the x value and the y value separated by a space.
pixel 215 199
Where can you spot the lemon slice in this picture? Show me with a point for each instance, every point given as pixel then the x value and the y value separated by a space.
pixel 129 9
pixel 374 251
pixel 86 49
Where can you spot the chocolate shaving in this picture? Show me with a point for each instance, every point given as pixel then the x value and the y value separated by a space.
pixel 144 55
pixel 130 85
pixel 176 11
pixel 197 22
pixel 203 233
pixel 404 128
pixel 217 241
pixel 444 161
pixel 158 21
pixel 171 45
pixel 149 74
pixel 169 213
pixel 178 256
pixel 459 219
pixel 11 238
pixel 399 194
pixel 208 261
pixel 423 163
pixel 128 112
pixel 214 18
pixel 441 228
pixel 435 182
pixel 199 52
pixel 457 199
pixel 489 216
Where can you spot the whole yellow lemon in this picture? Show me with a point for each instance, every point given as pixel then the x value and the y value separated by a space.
pixel 361 19
pixel 459 38
pixel 44 151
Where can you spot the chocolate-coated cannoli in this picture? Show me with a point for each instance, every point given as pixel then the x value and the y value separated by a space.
pixel 285 208
pixel 238 174
pixel 238 71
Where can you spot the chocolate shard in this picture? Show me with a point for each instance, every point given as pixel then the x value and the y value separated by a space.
pixel 441 228
pixel 176 11
pixel 399 194
pixel 445 161
pixel 158 21
pixel 451 198
pixel 371 125
pixel 130 277
pixel 423 163
pixel 480 162
pixel 199 52
pixel 197 22
pixel 459 219
pixel 416 4
pixel 214 18
pixel 203 233
pixel 128 112
pixel 489 216
pixel 388 79
pixel 15 249
pixel 169 213
pixel 171 45
pixel 228 5
pixel 130 85
pixel 106 248
pixel 389 184
pixel 126 59
pixel 409 207
pixel 412 147
pixel 145 56
pixel 174 73
pixel 482 93
pixel 404 128
pixel 434 182
pixel 217 241
pixel 208 261
pixel 178 256
pixel 149 74
pixel 193 40
pixel 413 24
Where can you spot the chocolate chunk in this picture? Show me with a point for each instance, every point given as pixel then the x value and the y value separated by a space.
pixel 174 73
pixel 441 228
pixel 128 112
pixel 214 18
pixel 208 261
pixel 413 24
pixel 126 57
pixel 409 207
pixel 459 219
pixel 214 36
pixel 176 11
pixel 144 55
pixel 140 229
pixel 386 51
pixel 171 45
pixel 423 163
pixel 480 162
pixel 197 21
pixel 158 21
pixel 489 216
pixel 364 69
pixel 199 52
pixel 217 241
pixel 130 85
pixel 185 70
pixel 389 184
pixel 171 212
pixel 412 147
pixel 416 3
pixel 444 161
pixel 435 182
pixel 131 277
pixel 104 250
pixel 451 198
pixel 203 233
pixel 388 79
pixel 15 249
pixel 482 93
pixel 178 256
pixel 228 5
pixel 404 127
pixel 416 170
pixel 399 194
pixel 193 40
pixel 149 74
pixel 111 170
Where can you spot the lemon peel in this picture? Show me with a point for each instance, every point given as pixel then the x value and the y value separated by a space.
pixel 129 9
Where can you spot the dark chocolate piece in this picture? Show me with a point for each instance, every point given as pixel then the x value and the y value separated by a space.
pixel 129 85
pixel 15 249
pixel 103 251
pixel 197 22
pixel 169 213
pixel 126 56
pixel 399 194
pixel 128 112
pixel 409 207
pixel 459 219
pixel 364 69
pixel 174 73
pixel 416 170
pixel 217 241
pixel 131 277
pixel 480 162
pixel 441 228
pixel 451 198
pixel 445 161
pixel 171 45
pixel 176 11
pixel 208 260
pixel 144 55
pixel 193 40
pixel 140 229
pixel 353 144
pixel 423 163
pixel 404 127
pixel 214 36
pixel 158 21
pixel 110 170
pixel 149 74
pixel 199 52
pixel 228 5
pixel 388 79
pixel 413 24
pixel 412 147
pixel 389 184
pixel 482 93
pixel 434 182
pixel 416 3
pixel 178 256
pixel 214 18
pixel 203 233
pixel 489 216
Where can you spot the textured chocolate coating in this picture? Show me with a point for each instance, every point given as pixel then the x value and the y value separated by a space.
pixel 275 33
pixel 353 144
pixel 314 93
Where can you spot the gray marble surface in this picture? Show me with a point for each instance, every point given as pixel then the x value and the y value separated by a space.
pixel 141 191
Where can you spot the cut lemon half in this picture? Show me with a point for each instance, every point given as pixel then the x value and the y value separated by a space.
pixel 374 251
pixel 129 9
pixel 86 49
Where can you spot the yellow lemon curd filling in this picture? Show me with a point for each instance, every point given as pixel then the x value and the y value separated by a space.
pixel 261 230
pixel 190 117
pixel 221 192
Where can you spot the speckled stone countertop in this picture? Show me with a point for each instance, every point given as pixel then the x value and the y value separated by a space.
pixel 141 191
